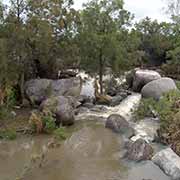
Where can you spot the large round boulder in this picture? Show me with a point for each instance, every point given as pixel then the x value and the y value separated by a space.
pixel 142 77
pixel 62 107
pixel 169 162
pixel 119 125
pixel 139 150
pixel 157 88
pixel 37 90
pixel 67 87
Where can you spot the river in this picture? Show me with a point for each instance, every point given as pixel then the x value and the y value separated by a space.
pixel 92 152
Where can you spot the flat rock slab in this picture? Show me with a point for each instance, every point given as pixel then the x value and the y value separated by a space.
pixel 169 162
pixel 146 171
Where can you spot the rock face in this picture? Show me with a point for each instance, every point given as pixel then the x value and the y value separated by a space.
pixel 119 125
pixel 139 150
pixel 37 90
pixel 157 88
pixel 169 162
pixel 142 77
pixel 62 107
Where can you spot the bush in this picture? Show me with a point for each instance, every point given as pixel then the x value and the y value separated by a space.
pixel 48 123
pixel 10 96
pixel 42 122
pixel 168 110
pixel 145 109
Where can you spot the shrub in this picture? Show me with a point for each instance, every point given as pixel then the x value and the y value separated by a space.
pixel 10 96
pixel 168 110
pixel 145 108
pixel 41 122
pixel 48 123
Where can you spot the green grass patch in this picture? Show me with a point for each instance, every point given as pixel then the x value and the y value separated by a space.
pixel 61 133
pixel 8 134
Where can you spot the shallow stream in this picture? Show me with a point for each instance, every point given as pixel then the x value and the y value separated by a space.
pixel 92 152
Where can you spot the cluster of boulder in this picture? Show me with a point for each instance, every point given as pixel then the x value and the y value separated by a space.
pixel 56 96
pixel 149 83
pixel 62 98
pixel 140 150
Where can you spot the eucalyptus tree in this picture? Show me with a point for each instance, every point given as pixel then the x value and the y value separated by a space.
pixel 52 25
pixel 102 22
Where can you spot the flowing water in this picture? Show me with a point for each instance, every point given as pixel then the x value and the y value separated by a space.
pixel 92 152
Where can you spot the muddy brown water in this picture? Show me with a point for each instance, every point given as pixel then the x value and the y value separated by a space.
pixel 92 152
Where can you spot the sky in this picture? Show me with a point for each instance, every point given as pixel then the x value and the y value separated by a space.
pixel 140 8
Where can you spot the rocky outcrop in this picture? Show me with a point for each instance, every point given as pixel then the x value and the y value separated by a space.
pixel 139 150
pixel 62 108
pixel 157 88
pixel 119 125
pixel 140 77
pixel 169 162
pixel 37 90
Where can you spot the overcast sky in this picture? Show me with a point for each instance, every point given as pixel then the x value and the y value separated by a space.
pixel 140 8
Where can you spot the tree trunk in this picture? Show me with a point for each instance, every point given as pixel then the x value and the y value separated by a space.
pixel 101 72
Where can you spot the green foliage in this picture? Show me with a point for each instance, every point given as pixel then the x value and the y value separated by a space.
pixel 178 84
pixel 155 40
pixel 48 123
pixel 4 113
pixel 11 96
pixel 8 134
pixel 42 122
pixel 100 32
pixel 145 108
pixel 60 133
pixel 168 110
pixel 165 107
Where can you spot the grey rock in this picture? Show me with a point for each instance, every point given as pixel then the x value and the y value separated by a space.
pixel 169 162
pixel 88 105
pixel 66 87
pixel 37 90
pixel 146 170
pixel 116 100
pixel 81 110
pixel 62 107
pixel 142 77
pixel 139 150
pixel 119 125
pixel 155 89
pixel 99 108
